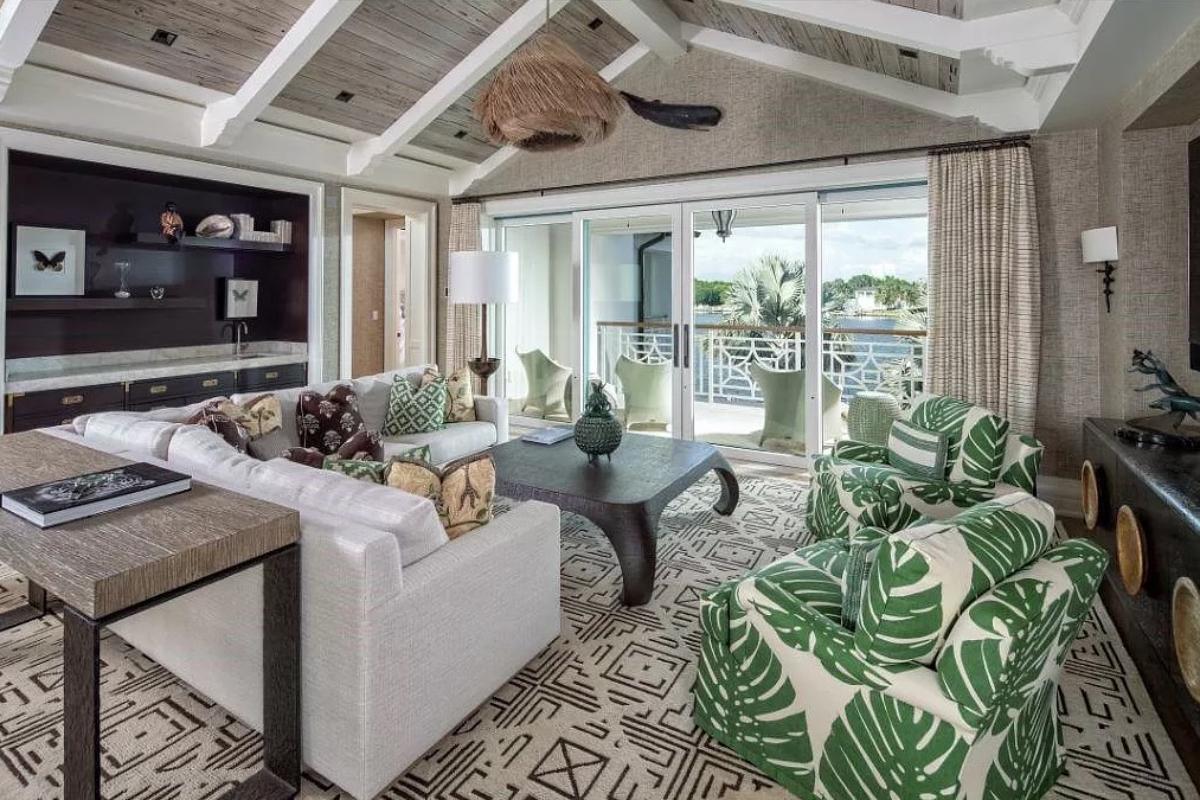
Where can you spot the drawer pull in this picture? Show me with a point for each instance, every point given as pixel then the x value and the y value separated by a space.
pixel 209 383
pixel 159 389
pixel 271 375
pixel 1131 550
pixel 72 399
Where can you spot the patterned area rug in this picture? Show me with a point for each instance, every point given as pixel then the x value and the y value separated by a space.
pixel 604 712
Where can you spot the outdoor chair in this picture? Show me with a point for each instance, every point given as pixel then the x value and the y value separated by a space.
pixel 549 385
pixel 646 389
pixel 785 402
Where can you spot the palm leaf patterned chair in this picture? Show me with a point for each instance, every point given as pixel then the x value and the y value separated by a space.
pixel 855 486
pixel 933 677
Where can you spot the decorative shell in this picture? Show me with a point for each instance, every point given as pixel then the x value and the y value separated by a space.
pixel 215 226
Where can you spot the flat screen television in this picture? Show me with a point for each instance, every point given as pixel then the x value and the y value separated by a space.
pixel 1194 251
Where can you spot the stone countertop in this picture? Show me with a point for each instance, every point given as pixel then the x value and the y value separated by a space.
pixel 76 374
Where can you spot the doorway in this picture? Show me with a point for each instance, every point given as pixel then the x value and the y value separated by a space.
pixel 387 288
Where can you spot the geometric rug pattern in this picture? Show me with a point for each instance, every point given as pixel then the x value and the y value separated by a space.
pixel 604 713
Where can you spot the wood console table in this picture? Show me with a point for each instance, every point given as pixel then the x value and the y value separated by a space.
pixel 114 565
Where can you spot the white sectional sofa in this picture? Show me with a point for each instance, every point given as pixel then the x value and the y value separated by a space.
pixel 404 632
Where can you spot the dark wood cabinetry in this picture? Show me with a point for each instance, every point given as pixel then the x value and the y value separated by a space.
pixel 1161 489
pixel 54 407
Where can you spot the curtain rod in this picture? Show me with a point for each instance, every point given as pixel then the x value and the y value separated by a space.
pixel 963 146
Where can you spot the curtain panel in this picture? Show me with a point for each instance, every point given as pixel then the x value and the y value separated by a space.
pixel 985 281
pixel 461 333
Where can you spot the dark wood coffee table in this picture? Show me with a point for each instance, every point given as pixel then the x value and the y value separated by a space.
pixel 624 496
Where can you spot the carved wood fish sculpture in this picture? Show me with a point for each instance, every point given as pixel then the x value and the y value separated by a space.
pixel 674 115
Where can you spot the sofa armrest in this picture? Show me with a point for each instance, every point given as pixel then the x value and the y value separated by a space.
pixel 494 410
pixel 851 450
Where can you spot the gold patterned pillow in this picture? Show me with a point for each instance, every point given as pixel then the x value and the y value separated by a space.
pixel 258 415
pixel 462 491
pixel 460 398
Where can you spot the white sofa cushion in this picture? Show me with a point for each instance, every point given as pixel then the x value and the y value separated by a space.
pixel 372 401
pixel 198 451
pixel 412 520
pixel 456 440
pixel 131 432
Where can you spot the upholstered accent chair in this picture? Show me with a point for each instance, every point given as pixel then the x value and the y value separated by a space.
pixel 646 389
pixel 942 685
pixel 855 487
pixel 784 405
pixel 549 386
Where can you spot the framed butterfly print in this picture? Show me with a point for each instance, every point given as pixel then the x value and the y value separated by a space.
pixel 49 261
pixel 241 298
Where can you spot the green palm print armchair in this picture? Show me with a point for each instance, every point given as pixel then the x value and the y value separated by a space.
pixel 855 487
pixel 942 684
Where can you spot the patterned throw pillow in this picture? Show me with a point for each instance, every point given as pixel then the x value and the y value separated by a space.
pixel 860 557
pixel 328 421
pixel 415 410
pixel 917 451
pixel 460 398
pixel 258 415
pixel 362 445
pixel 225 426
pixel 462 491
pixel 977 438
pixel 371 470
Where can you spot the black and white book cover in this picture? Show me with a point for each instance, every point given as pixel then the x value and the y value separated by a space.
pixel 82 496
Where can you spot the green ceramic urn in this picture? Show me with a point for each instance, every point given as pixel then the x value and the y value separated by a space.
pixel 598 432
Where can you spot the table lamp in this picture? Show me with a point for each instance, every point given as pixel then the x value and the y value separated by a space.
pixel 483 277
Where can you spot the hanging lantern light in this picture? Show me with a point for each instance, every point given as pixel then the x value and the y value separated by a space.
pixel 724 221
pixel 547 98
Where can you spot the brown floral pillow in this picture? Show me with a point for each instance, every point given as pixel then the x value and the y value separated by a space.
pixel 327 421
pixel 225 426
pixel 364 445
pixel 462 491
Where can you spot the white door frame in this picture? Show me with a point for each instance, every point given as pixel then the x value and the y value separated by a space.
pixel 579 260
pixel 421 223
pixel 395 261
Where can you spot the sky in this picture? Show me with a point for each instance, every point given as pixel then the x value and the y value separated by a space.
pixel 877 247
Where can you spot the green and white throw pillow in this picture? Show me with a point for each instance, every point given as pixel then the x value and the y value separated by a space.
pixel 860 557
pixel 917 451
pixel 414 409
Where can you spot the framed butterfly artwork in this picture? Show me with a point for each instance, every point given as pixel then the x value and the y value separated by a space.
pixel 49 261
pixel 241 298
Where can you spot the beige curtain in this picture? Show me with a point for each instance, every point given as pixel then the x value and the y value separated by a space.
pixel 461 332
pixel 985 281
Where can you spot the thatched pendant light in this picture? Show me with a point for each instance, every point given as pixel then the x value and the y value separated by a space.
pixel 547 98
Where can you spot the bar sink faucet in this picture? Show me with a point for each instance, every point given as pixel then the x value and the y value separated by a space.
pixel 240 329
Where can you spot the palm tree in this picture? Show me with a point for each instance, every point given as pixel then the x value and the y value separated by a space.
pixel 767 292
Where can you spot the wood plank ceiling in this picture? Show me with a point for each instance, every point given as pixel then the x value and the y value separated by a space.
pixel 390 52
pixel 914 66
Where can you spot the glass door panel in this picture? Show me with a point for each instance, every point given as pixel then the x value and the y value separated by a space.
pixel 629 270
pixel 747 315
pixel 875 270
pixel 539 331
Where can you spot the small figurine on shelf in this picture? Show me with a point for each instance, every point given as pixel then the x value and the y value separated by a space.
pixel 122 268
pixel 172 223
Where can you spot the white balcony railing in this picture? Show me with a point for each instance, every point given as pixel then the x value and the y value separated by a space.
pixel 871 359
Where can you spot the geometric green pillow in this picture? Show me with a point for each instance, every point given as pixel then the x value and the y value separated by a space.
pixel 415 410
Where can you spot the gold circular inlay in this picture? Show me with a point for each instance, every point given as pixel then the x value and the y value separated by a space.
pixel 1185 628
pixel 1089 494
pixel 1131 546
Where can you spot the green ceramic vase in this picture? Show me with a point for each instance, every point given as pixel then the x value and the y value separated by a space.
pixel 598 432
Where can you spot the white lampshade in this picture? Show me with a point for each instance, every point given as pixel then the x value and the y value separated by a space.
pixel 1099 244
pixel 478 276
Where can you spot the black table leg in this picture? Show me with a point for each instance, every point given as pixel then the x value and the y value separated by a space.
pixel 730 491
pixel 632 532
pixel 35 607
pixel 81 706
pixel 281 665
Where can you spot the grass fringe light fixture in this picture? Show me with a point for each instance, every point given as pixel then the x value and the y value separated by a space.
pixel 547 98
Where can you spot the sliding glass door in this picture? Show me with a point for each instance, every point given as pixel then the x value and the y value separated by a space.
pixel 749 323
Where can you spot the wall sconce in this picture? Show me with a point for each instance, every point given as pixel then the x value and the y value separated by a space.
pixel 1100 246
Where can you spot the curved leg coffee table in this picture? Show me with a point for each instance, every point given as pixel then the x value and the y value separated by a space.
pixel 624 496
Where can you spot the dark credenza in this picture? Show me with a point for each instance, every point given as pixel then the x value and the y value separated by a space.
pixel 56 406
pixel 1154 542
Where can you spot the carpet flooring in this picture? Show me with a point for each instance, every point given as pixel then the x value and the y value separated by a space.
pixel 603 713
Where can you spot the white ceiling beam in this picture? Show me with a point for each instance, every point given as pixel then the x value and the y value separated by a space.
pixel 1005 109
pixel 652 23
pixel 1029 41
pixel 225 119
pixel 21 23
pixel 525 21
pixel 462 179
